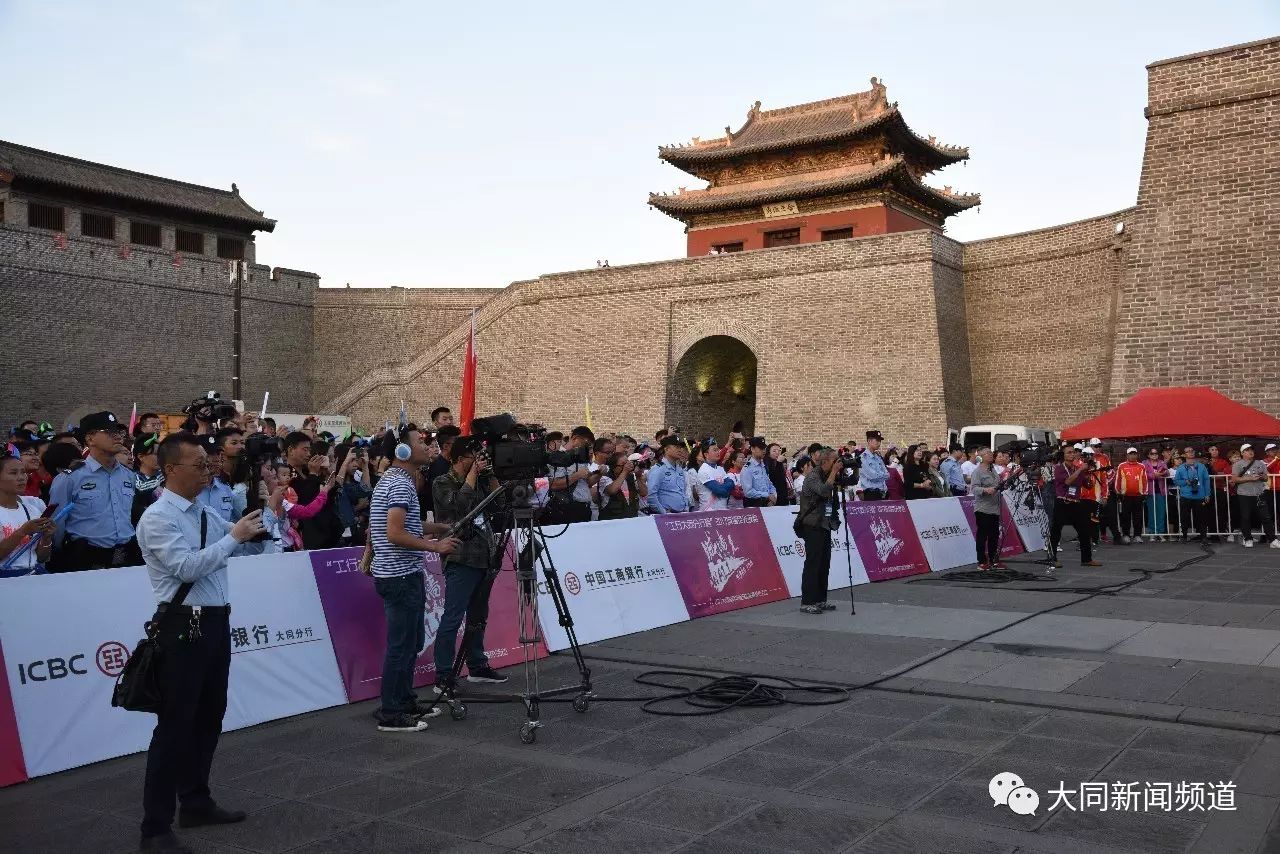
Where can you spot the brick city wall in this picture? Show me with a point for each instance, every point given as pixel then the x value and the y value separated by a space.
pixel 805 311
pixel 359 329
pixel 1040 310
pixel 89 330
pixel 1200 302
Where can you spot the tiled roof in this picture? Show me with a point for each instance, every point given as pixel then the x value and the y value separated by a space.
pixel 46 167
pixel 892 172
pixel 832 120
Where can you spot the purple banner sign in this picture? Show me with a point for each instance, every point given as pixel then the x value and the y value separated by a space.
pixel 1010 542
pixel 358 625
pixel 886 539
pixel 722 559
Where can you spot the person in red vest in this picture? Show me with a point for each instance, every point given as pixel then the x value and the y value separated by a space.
pixel 1132 487
pixel 1272 494
pixel 1220 474
pixel 1107 521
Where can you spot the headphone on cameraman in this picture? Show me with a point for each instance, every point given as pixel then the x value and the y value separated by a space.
pixel 401 450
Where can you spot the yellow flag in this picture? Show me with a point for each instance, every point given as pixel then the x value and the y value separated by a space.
pixel 586 411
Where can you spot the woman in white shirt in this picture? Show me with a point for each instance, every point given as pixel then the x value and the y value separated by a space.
pixel 20 519
pixel 691 477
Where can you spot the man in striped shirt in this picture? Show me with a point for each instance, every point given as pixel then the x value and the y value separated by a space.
pixel 398 536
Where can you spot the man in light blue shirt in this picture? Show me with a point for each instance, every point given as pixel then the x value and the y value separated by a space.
pixel 98 532
pixel 873 478
pixel 183 542
pixel 757 488
pixel 1194 495
pixel 667 480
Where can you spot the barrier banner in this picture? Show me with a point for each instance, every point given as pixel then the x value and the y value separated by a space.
pixel 358 624
pixel 616 580
pixel 12 767
pixel 790 551
pixel 1010 542
pixel 1027 521
pixel 68 636
pixel 886 539
pixel 723 560
pixel 946 527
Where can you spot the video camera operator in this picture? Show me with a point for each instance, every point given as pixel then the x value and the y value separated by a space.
pixel 571 485
pixel 457 492
pixel 815 521
pixel 98 532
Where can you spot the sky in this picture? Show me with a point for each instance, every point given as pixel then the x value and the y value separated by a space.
pixel 462 145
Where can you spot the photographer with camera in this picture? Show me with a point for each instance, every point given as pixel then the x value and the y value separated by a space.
pixel 571 485
pixel 98 532
pixel 1194 495
pixel 320 529
pixel 1069 508
pixel 621 491
pixel 873 479
pixel 815 520
pixel 457 492
pixel 183 543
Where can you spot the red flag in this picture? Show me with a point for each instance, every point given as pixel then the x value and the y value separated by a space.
pixel 467 408
pixel 133 418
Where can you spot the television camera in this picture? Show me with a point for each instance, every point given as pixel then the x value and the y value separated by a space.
pixel 519 451
pixel 210 409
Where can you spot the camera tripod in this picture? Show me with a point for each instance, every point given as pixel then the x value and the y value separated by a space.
pixel 530 551
pixel 1027 494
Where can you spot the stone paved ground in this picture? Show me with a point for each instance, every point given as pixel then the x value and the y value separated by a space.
pixel 1178 678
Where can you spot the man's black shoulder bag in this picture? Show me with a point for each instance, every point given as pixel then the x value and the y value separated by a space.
pixel 138 687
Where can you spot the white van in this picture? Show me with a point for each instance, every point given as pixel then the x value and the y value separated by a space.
pixel 995 435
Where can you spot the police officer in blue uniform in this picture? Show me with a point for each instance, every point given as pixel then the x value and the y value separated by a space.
pixel 217 496
pixel 874 475
pixel 98 532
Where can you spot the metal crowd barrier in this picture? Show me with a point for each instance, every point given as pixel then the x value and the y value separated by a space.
pixel 1162 514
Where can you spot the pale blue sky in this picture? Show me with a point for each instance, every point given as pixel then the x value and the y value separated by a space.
pixel 443 144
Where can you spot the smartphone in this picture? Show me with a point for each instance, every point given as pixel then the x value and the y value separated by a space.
pixel 49 511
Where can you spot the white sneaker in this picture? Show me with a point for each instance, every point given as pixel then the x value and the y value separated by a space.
pixel 1125 540
pixel 1275 544
pixel 1231 538
pixel 1248 544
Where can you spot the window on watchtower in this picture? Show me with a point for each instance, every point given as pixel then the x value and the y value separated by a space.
pixel 837 234
pixel 231 248
pixel 98 225
pixel 720 248
pixel 786 237
pixel 45 216
pixel 144 233
pixel 189 241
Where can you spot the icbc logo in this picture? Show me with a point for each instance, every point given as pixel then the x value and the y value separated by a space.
pixel 572 584
pixel 112 657
pixel 51 668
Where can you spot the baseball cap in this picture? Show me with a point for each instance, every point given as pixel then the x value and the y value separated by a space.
pixel 1078 446
pixel 1089 451
pixel 1095 441
pixel 1132 451
pixel 1245 447
pixel 1270 446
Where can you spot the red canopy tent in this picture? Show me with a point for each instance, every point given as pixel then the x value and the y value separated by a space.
pixel 1184 411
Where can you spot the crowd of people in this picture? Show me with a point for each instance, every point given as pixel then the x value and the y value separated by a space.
pixel 84 490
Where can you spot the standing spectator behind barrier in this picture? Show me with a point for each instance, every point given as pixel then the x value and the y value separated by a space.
pixel 1170 498
pixel 986 506
pixel 20 520
pixel 1220 473
pixel 147 477
pixel 1269 496
pixel 1132 488
pixel 777 469
pixel 322 530
pixel 666 480
pixel 1157 477
pixel 1194 495
pixel 97 533
pixel 621 492
pixel 1250 476
pixel 571 485
pixel 757 487
pixel 953 473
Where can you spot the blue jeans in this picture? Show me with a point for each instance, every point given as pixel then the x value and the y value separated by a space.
pixel 404 600
pixel 460 582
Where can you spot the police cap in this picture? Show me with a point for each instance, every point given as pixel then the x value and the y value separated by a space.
pixel 95 421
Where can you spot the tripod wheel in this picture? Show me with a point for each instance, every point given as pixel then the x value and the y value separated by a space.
pixel 528 733
pixel 458 711
pixel 581 703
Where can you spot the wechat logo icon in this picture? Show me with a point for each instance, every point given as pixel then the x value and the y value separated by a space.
pixel 1008 790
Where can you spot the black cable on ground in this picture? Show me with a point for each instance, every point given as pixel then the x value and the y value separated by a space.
pixel 722 693
pixel 744 683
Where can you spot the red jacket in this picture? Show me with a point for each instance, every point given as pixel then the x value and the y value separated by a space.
pixel 1131 479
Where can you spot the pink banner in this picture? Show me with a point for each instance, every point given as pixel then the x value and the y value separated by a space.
pixel 13 768
pixel 358 625
pixel 886 539
pixel 1010 542
pixel 722 559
